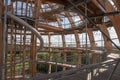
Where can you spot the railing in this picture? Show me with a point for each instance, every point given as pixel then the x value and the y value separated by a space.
pixel 101 71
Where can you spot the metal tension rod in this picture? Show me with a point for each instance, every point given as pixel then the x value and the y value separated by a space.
pixel 105 14
pixel 78 2
pixel 4 39
pixel 93 23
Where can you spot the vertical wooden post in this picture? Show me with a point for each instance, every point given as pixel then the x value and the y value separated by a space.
pixel 92 44
pixel 33 55
pixel 78 46
pixel 91 37
pixel 24 52
pixel 33 42
pixel 64 49
pixel 50 54
pixel 108 44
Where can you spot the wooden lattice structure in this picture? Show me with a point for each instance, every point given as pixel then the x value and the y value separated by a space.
pixel 27 20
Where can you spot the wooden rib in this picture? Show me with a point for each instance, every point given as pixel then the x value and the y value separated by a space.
pixel 91 37
pixel 78 46
pixel 21 44
pixel 33 44
pixel 58 20
pixel 24 52
pixel 107 43
pixel 70 19
pixel 114 19
pixel 49 27
pixel 64 49
pixel 83 6
pixel 92 44
pixel 50 54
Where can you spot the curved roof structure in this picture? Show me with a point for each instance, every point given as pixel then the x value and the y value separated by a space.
pixel 47 36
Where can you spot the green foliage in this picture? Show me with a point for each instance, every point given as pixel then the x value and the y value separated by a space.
pixel 43 68
pixel 43 56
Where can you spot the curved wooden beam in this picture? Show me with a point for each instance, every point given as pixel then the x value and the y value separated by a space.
pixel 22 22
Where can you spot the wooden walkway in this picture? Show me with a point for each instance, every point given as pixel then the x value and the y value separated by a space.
pixel 81 73
pixel 105 74
pixel 59 64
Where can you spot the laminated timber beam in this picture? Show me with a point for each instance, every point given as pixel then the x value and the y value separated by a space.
pixel 64 49
pixel 70 19
pixel 54 11
pixel 78 46
pixel 33 46
pixel 105 14
pixel 91 37
pixel 28 26
pixel 107 43
pixel 49 27
pixel 44 26
pixel 114 19
pixel 81 12
pixel 50 53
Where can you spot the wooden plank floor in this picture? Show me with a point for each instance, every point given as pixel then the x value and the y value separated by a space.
pixel 105 74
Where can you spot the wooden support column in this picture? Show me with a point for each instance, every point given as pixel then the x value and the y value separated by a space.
pixel 34 43
pixel 50 54
pixel 11 45
pixel 33 55
pixel 64 50
pixel 24 51
pixel 78 47
pixel 91 37
pixel 108 44
pixel 92 44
